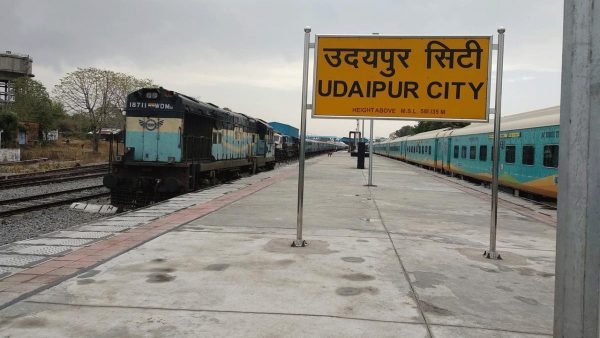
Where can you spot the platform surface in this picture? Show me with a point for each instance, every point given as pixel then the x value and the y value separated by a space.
pixel 402 259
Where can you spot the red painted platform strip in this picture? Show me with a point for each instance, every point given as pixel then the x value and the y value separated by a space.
pixel 59 269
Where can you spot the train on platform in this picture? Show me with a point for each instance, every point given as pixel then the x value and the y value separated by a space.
pixel 175 144
pixel 528 158
pixel 287 143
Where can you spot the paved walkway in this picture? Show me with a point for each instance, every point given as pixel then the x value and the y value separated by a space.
pixel 402 259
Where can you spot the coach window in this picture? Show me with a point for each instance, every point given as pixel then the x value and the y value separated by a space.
pixel 472 152
pixel 483 153
pixel 463 152
pixel 529 154
pixel 429 150
pixel 455 151
pixel 551 156
pixel 509 155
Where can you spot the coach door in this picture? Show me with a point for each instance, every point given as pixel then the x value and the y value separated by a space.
pixel 446 156
pixel 150 137
pixel 435 153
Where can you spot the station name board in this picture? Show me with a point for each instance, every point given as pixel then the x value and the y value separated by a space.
pixel 413 78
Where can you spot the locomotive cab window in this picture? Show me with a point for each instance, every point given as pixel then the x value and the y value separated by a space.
pixel 551 156
pixel 217 138
pixel 529 154
pixel 455 151
pixel 483 153
pixel 509 155
pixel 472 152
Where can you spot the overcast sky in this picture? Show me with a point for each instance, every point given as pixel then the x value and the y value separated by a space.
pixel 247 55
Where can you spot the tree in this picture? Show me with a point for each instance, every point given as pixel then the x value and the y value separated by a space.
pixel 9 125
pixel 424 126
pixel 99 94
pixel 125 84
pixel 32 103
pixel 404 131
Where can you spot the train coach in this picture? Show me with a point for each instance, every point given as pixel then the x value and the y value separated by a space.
pixel 528 151
pixel 175 144
pixel 287 143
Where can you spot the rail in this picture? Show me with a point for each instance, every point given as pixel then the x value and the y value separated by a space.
pixel 53 176
pixel 37 202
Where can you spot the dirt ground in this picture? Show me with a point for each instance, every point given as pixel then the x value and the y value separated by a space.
pixel 62 154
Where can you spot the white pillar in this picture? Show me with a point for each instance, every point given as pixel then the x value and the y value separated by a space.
pixel 576 302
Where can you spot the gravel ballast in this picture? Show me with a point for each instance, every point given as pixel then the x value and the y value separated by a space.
pixel 35 223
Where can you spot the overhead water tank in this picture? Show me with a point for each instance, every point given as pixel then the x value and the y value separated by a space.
pixel 13 65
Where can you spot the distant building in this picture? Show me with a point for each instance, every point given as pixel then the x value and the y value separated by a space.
pixel 28 133
pixel 52 135
pixel 285 129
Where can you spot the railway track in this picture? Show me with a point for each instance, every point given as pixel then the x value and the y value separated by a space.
pixel 25 204
pixel 53 176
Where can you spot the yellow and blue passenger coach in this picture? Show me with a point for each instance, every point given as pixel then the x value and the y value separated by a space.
pixel 175 143
pixel 528 151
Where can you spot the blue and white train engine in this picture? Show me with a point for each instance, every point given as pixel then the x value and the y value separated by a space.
pixel 175 144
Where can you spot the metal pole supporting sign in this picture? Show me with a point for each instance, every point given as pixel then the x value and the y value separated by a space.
pixel 371 156
pixel 492 253
pixel 370 184
pixel 299 242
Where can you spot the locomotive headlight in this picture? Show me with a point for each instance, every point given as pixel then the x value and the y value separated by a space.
pixel 152 95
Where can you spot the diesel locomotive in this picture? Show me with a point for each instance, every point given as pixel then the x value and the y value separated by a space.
pixel 175 144
pixel 528 151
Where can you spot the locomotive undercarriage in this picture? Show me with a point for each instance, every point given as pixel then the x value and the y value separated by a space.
pixel 138 184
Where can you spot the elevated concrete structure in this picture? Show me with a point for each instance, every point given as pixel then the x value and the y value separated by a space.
pixel 402 259
pixel 12 66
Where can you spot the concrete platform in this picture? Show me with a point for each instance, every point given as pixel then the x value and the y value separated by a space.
pixel 402 259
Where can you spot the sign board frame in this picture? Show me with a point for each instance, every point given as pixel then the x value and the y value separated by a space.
pixel 488 86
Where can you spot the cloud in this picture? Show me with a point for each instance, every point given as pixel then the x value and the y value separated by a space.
pixel 248 54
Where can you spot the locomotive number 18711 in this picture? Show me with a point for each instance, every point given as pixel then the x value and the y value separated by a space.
pixel 152 105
